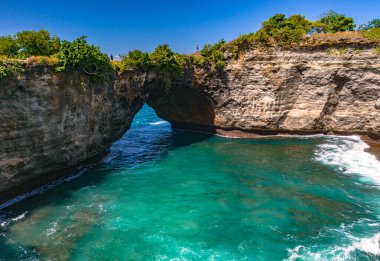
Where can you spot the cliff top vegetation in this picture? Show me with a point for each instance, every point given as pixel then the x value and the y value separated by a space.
pixel 279 31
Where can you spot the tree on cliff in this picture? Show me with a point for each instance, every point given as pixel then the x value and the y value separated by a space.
pixel 166 63
pixel 29 43
pixel 8 46
pixel 135 60
pixel 37 43
pixel 333 22
pixel 79 55
pixel 285 30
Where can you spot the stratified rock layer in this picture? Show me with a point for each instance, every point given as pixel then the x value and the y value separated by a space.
pixel 280 92
pixel 53 121
pixel 50 122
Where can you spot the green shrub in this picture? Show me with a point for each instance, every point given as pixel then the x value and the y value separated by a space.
pixel 182 59
pixel 164 60
pixel 241 44
pixel 79 55
pixel 212 55
pixel 166 63
pixel 198 60
pixel 10 67
pixel 332 22
pixel 372 34
pixel 29 43
pixel 37 43
pixel 374 23
pixel 284 30
pixel 135 60
pixel 261 37
pixel 8 46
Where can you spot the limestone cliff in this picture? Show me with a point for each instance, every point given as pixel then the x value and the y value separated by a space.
pixel 52 121
pixel 269 92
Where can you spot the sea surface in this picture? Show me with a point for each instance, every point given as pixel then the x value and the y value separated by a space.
pixel 167 194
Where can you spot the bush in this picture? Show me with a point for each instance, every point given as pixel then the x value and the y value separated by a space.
pixel 167 64
pixel 9 67
pixel 261 37
pixel 79 55
pixel 245 41
pixel 182 59
pixel 332 22
pixel 164 60
pixel 135 60
pixel 374 23
pixel 8 46
pixel 198 59
pixel 241 44
pixel 212 55
pixel 29 43
pixel 37 43
pixel 372 34
pixel 284 30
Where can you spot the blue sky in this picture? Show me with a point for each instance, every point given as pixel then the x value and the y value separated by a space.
pixel 119 26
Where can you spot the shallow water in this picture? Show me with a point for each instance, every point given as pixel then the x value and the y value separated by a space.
pixel 168 194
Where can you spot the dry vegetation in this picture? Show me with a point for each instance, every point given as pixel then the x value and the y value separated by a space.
pixel 354 38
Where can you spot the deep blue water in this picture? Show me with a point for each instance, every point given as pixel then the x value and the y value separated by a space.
pixel 164 194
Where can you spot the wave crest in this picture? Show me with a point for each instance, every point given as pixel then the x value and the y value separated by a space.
pixel 348 155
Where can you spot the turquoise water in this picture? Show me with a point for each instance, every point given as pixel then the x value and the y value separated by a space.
pixel 164 194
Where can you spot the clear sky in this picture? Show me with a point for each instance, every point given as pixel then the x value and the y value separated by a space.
pixel 119 26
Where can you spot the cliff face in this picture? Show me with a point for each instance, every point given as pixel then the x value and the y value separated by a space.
pixel 50 122
pixel 279 92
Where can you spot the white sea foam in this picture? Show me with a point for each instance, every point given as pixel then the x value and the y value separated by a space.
pixel 294 253
pixel 349 156
pixel 158 123
pixel 22 216
pixel 369 245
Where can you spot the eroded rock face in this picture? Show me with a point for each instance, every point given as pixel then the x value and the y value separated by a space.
pixel 280 92
pixel 50 122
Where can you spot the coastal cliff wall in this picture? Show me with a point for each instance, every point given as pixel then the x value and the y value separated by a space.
pixel 270 92
pixel 52 121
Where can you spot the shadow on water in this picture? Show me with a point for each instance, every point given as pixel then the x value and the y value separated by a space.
pixel 150 139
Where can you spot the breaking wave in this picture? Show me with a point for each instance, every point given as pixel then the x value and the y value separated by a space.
pixel 349 156
pixel 158 123
pixel 337 253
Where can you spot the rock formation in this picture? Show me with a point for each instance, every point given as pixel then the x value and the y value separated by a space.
pixel 51 121
pixel 269 92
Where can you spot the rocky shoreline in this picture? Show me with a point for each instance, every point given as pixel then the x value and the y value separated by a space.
pixel 373 141
pixel 374 146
